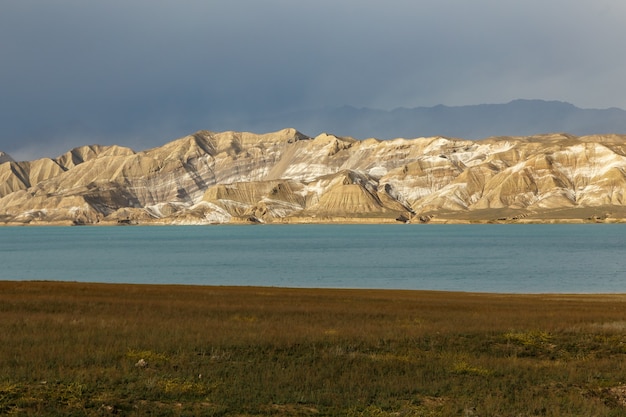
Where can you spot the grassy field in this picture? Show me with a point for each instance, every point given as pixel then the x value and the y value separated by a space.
pixel 96 349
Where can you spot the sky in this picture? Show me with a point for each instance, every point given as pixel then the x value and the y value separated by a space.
pixel 141 73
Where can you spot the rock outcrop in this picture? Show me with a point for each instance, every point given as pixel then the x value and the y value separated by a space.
pixel 286 177
pixel 4 157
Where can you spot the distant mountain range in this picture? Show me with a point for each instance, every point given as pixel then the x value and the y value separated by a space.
pixel 516 118
pixel 527 172
pixel 288 177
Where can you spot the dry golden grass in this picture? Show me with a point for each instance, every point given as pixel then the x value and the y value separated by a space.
pixel 97 349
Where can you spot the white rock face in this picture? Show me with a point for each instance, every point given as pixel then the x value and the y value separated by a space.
pixel 284 176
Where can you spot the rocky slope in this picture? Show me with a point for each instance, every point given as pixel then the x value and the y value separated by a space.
pixel 286 177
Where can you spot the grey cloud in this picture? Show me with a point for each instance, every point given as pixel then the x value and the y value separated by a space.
pixel 144 72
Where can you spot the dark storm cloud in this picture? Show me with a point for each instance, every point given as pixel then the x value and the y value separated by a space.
pixel 141 73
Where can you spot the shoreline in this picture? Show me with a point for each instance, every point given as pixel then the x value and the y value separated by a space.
pixel 525 221
pixel 564 215
pixel 304 290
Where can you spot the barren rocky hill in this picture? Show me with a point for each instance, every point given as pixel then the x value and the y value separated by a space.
pixel 286 177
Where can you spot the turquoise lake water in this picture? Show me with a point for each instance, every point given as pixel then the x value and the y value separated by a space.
pixel 487 258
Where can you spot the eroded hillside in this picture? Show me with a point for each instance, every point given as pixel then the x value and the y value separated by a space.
pixel 287 177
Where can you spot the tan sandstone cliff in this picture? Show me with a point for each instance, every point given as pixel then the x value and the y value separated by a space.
pixel 286 177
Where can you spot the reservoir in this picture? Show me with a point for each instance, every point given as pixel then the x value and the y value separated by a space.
pixel 584 258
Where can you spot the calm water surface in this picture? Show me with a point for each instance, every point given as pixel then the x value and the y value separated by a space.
pixel 488 258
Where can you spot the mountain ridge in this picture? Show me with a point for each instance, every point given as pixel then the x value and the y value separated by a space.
pixel 288 177
pixel 519 117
